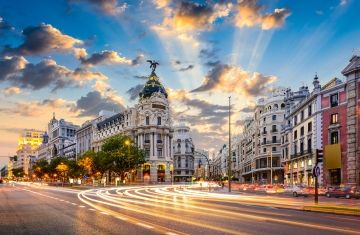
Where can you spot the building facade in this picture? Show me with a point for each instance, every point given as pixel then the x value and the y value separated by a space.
pixel 183 149
pixel 59 140
pixel 149 124
pixel 28 142
pixel 352 74
pixel 84 134
pixel 202 164
pixel 334 132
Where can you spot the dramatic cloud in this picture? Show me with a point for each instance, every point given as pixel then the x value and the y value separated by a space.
pixel 43 39
pixel 229 78
pixel 108 57
pixel 93 103
pixel 46 73
pixel 109 7
pixel 183 19
pixel 189 67
pixel 13 90
pixel 134 91
pixel 212 115
pixel 249 109
pixel 249 15
pixel 189 15
pixel 36 108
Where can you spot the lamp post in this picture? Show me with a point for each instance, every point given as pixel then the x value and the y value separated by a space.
pixel 229 157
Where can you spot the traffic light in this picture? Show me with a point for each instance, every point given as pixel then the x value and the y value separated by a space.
pixel 319 155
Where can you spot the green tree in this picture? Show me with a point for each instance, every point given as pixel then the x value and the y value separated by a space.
pixel 124 154
pixel 18 172
pixel 41 167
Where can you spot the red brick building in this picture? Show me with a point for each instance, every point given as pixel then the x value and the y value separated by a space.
pixel 334 132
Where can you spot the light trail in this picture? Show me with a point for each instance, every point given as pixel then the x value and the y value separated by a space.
pixel 145 200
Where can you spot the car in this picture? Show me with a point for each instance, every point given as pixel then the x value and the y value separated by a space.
pixel 346 192
pixel 300 191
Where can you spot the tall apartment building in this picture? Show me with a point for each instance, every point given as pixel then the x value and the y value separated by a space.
pixel 183 149
pixel 258 149
pixel 28 142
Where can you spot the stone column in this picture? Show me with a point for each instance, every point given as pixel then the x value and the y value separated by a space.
pixel 151 144
pixel 155 145
pixel 167 173
pixel 153 172
pixel 351 131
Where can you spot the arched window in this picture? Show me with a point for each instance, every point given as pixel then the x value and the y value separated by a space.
pixel 159 121
pixel 147 120
pixel 282 106
pixel 276 106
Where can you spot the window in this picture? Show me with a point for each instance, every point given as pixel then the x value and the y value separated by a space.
pixel 264 141
pixel 159 121
pixel 274 139
pixel 147 120
pixel 273 149
pixel 334 100
pixel 264 130
pixel 309 111
pixel 334 137
pixel 147 138
pixel 274 128
pixel 295 135
pixel 147 152
pixel 159 152
pixel 302 132
pixel 309 145
pixel 264 119
pixel 309 127
pixel 302 115
pixel 301 147
pixel 295 120
pixel 334 118
pixel 264 150
pixel 273 117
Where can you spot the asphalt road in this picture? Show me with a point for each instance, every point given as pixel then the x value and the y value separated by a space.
pixel 26 209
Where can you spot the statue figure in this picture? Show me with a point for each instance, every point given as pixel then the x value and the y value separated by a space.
pixel 153 65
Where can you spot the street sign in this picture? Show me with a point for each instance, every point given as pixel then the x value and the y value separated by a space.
pixel 316 171
pixel 319 155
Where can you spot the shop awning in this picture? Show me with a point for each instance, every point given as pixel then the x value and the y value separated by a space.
pixel 332 156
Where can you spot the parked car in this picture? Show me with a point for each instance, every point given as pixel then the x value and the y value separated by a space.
pixel 346 192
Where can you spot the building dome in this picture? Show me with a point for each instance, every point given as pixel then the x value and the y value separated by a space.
pixel 152 86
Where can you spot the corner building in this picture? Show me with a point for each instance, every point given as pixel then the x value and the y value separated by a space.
pixel 149 124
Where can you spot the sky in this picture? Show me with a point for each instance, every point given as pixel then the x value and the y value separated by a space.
pixel 76 57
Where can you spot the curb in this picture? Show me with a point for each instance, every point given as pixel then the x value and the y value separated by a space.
pixel 332 210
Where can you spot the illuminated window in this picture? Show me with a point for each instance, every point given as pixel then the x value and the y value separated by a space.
pixel 334 137
pixel 334 118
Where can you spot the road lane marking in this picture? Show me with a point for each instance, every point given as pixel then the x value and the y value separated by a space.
pixel 74 204
pixel 91 209
pixel 171 233
pixel 81 206
pixel 145 225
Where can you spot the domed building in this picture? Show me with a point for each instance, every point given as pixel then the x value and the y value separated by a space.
pixel 149 124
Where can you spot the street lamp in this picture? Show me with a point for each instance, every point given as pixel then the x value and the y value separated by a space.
pixel 271 171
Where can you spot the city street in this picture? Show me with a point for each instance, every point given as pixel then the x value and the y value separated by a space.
pixel 35 209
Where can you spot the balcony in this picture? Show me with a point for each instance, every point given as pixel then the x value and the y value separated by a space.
pixel 159 141
pixel 264 132
pixel 147 141
pixel 270 142
pixel 274 131
pixel 301 153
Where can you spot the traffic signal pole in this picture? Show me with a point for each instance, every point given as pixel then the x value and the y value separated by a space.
pixel 316 173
